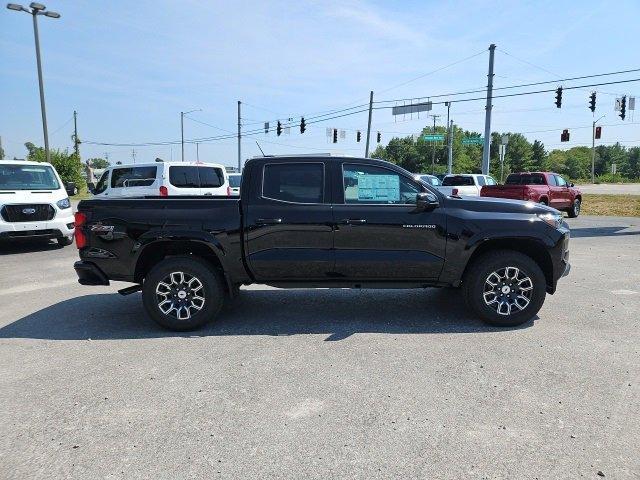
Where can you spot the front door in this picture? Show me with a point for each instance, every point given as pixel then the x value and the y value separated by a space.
pixel 380 234
pixel 289 223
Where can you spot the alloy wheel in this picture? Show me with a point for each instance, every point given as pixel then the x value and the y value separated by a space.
pixel 507 290
pixel 180 295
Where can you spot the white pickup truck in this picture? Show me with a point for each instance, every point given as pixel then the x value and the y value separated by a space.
pixel 467 184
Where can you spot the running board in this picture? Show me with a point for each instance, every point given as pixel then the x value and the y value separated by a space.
pixel 130 290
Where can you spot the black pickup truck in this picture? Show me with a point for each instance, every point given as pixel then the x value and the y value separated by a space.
pixel 321 221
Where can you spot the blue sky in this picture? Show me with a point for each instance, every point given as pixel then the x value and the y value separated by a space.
pixel 129 68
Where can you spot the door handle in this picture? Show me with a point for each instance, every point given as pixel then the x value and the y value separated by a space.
pixel 353 221
pixel 269 221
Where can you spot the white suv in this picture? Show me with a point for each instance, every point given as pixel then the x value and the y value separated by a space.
pixel 163 179
pixel 34 202
pixel 468 184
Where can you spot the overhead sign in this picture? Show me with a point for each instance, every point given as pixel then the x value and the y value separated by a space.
pixel 433 137
pixel 415 108
pixel 472 141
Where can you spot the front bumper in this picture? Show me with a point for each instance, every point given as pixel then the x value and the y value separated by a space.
pixel 89 274
pixel 61 226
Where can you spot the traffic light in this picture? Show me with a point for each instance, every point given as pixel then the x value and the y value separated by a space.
pixel 379 137
pixel 623 107
pixel 279 128
pixel 358 136
pixel 592 101
pixel 559 97
pixel 303 125
pixel 598 133
pixel 564 136
pixel 335 135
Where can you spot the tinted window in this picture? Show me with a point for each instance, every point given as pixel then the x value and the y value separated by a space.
pixel 457 181
pixel 184 177
pixel 294 182
pixel 27 177
pixel 368 184
pixel 234 180
pixel 561 181
pixel 211 177
pixel 102 183
pixel 430 180
pixel 133 177
pixel 525 179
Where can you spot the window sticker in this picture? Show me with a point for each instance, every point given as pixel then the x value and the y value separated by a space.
pixel 378 188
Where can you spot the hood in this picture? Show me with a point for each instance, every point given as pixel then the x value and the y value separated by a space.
pixel 8 197
pixel 499 205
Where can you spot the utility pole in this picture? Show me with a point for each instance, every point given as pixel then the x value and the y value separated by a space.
pixel 366 150
pixel 76 142
pixel 133 155
pixel 239 138
pixel 181 134
pixel 450 149
pixel 593 149
pixel 1 155
pixel 487 118
pixel 197 152
pixel 433 152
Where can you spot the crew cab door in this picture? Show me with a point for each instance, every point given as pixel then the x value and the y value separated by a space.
pixel 380 234
pixel 288 222
pixel 564 199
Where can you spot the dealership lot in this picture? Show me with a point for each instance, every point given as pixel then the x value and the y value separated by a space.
pixel 323 383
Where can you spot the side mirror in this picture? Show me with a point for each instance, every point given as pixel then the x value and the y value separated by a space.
pixel 572 184
pixel 426 201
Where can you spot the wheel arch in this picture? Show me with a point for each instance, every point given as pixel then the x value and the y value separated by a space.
pixel 529 247
pixel 159 250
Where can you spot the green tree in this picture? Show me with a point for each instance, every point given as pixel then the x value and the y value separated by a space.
pixel 98 163
pixel 538 155
pixel 67 165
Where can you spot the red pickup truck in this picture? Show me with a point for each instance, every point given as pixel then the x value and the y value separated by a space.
pixel 540 187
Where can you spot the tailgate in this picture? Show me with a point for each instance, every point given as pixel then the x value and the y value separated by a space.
pixel 514 192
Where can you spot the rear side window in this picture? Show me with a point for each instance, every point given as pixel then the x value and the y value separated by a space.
pixel 481 181
pixel 294 182
pixel 211 177
pixel 133 177
pixel 184 177
pixel 457 181
pixel 552 181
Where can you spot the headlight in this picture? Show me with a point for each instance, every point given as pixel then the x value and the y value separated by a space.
pixel 553 219
pixel 64 203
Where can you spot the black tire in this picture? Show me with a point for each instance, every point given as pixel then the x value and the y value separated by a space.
pixel 574 211
pixel 64 241
pixel 482 271
pixel 544 202
pixel 194 312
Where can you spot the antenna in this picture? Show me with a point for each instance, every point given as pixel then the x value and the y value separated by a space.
pixel 260 148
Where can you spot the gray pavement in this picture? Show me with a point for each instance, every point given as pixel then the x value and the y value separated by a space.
pixel 323 383
pixel 612 188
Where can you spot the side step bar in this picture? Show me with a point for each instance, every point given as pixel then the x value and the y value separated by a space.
pixel 130 290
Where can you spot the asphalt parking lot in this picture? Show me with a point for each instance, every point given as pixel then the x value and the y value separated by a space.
pixel 323 383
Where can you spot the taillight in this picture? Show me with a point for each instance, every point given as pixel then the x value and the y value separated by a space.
pixel 228 191
pixel 454 192
pixel 164 191
pixel 81 238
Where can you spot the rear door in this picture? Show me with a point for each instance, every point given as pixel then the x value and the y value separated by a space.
pixel 183 180
pixel 288 222
pixel 213 181
pixel 133 181
pixel 564 194
pixel 380 234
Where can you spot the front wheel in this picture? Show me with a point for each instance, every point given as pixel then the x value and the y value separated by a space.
pixel 504 288
pixel 574 211
pixel 64 241
pixel 182 293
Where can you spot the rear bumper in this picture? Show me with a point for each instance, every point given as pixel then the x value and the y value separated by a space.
pixel 90 274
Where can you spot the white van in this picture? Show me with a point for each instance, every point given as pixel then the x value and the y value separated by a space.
pixel 163 179
pixel 34 202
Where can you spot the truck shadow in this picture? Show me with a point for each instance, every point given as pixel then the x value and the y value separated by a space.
pixel 9 247
pixel 336 313
pixel 577 232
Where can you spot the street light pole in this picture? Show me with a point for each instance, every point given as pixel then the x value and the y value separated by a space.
pixel 182 114
pixel 593 150
pixel 38 9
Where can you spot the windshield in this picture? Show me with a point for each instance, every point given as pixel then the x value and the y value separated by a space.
pixel 234 180
pixel 457 181
pixel 28 177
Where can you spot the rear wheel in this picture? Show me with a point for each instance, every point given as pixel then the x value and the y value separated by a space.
pixel 504 288
pixel 182 293
pixel 574 211
pixel 543 201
